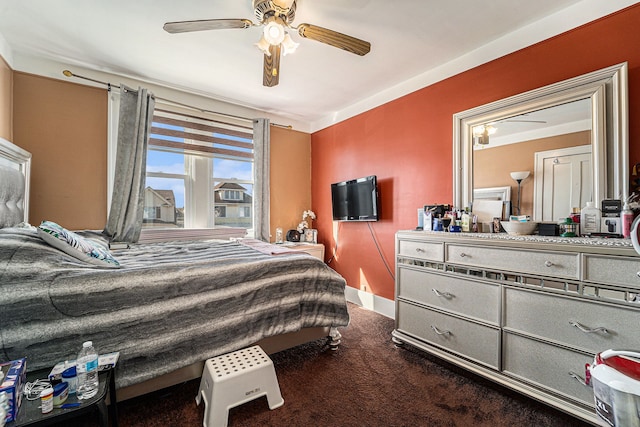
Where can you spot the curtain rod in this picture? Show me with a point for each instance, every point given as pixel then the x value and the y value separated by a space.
pixel 109 86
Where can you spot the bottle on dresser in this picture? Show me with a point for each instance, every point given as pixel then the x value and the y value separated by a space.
pixel 466 220
pixel 575 217
pixel 590 219
pixel 626 217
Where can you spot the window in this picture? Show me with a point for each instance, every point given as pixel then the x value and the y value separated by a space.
pixel 232 195
pixel 151 212
pixel 199 172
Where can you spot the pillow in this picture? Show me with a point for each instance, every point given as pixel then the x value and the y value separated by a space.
pixel 75 245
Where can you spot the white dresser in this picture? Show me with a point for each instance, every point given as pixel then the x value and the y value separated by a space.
pixel 525 311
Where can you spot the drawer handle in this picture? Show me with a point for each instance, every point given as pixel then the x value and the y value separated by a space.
pixel 548 264
pixel 588 330
pixel 463 255
pixel 578 378
pixel 446 295
pixel 439 332
pixel 420 250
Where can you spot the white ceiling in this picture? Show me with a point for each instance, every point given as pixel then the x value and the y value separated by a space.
pixel 319 84
pixel 557 120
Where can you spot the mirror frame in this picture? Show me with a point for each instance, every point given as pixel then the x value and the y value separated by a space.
pixel 607 89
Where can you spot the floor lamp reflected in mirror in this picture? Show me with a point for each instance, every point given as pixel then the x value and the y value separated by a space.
pixel 519 177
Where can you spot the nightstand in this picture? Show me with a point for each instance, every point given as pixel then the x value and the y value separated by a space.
pixel 315 249
pixel 30 413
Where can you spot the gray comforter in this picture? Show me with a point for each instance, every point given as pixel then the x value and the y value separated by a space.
pixel 171 304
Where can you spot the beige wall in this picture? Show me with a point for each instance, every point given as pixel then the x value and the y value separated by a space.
pixel 290 178
pixel 6 93
pixel 64 126
pixel 493 166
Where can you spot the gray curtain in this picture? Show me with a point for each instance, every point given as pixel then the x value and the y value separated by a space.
pixel 261 143
pixel 127 202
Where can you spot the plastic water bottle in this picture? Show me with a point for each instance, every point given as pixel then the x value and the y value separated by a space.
pixel 87 368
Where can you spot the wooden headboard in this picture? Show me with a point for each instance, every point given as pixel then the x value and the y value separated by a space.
pixel 14 157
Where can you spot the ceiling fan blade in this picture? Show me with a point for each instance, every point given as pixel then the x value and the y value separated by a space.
pixel 206 24
pixel 271 72
pixel 334 38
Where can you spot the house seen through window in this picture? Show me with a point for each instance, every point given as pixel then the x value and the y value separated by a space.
pixel 199 173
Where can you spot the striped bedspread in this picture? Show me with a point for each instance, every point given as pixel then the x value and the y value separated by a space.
pixel 170 305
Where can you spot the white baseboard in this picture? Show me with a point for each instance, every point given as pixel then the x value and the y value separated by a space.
pixel 380 305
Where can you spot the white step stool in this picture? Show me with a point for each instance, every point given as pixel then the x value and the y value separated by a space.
pixel 235 378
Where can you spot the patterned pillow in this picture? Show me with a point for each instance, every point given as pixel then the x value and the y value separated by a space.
pixel 75 245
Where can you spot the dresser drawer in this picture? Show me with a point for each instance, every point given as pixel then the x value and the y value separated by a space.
pixel 622 271
pixel 547 366
pixel 553 264
pixel 463 296
pixel 471 340
pixel 423 250
pixel 570 321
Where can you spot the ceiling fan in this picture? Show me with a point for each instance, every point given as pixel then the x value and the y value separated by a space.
pixel 482 132
pixel 276 16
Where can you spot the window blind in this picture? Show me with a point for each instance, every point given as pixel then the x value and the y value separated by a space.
pixel 180 132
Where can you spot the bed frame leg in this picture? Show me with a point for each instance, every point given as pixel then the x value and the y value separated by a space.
pixel 334 338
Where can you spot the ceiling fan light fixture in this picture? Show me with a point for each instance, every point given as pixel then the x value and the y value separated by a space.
pixel 285 4
pixel 288 45
pixel 263 45
pixel 274 33
pixel 484 130
pixel 478 130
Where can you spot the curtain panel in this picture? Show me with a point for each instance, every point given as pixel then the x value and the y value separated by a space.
pixel 262 153
pixel 127 201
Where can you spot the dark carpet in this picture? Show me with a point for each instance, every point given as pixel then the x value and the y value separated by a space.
pixel 367 382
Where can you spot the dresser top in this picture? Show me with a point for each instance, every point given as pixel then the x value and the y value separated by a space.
pixel 575 244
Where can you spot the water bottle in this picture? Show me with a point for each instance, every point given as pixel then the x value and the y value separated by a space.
pixel 87 369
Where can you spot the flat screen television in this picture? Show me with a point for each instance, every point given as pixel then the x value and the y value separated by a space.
pixel 355 200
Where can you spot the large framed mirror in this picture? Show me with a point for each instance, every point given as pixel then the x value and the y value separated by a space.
pixel 557 147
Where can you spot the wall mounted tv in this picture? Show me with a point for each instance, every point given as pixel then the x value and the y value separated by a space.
pixel 355 200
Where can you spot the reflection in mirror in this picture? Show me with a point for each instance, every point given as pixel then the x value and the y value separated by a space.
pixel 570 136
pixel 553 147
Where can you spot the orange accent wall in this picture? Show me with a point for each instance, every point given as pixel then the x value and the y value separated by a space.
pixel 407 143
pixel 6 93
pixel 64 126
pixel 290 178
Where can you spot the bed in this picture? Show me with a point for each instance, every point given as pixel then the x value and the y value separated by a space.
pixel 166 307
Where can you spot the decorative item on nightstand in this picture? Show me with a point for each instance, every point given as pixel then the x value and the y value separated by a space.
pixel 307 220
pixel 311 235
pixel 293 236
